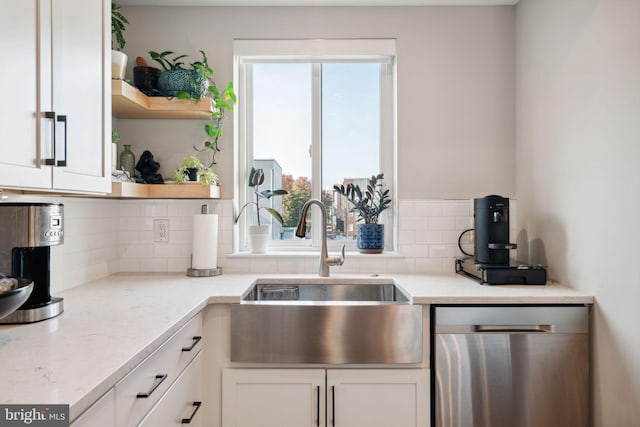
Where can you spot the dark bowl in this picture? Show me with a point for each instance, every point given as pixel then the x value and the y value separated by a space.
pixel 146 79
pixel 12 299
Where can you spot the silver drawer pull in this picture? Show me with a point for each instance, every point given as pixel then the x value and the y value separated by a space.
pixel 512 328
pixel 156 383
pixel 196 406
pixel 196 340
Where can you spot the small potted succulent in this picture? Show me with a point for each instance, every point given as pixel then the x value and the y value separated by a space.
pixel 259 233
pixel 118 58
pixel 191 169
pixel 368 205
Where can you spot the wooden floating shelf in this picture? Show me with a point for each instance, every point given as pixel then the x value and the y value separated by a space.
pixel 188 190
pixel 129 103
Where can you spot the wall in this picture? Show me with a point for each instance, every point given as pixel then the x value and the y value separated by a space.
pixel 455 85
pixel 578 169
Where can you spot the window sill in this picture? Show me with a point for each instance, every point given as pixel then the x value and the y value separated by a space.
pixel 304 254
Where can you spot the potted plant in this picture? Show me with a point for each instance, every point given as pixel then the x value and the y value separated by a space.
pixel 259 233
pixel 221 102
pixel 178 78
pixel 118 58
pixel 369 205
pixel 194 81
pixel 191 169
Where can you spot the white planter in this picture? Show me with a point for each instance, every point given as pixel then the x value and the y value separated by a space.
pixel 259 236
pixel 118 64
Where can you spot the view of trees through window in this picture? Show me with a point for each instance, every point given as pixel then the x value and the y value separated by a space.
pixel 346 106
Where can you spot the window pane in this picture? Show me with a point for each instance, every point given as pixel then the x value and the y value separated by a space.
pixel 282 136
pixel 350 136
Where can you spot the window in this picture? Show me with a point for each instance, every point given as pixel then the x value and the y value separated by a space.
pixel 313 114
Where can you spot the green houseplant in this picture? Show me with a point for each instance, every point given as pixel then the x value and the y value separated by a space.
pixel 118 58
pixel 199 82
pixel 177 77
pixel 368 205
pixel 191 169
pixel 259 233
pixel 222 101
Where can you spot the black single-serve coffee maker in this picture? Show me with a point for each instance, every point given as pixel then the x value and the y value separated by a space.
pixel 491 226
pixel 27 232
pixel 490 263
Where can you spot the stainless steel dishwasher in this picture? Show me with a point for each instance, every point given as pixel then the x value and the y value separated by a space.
pixel 515 366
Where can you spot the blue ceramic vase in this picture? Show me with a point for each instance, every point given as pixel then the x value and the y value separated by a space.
pixel 370 238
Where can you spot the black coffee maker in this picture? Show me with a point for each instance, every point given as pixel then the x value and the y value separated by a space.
pixel 27 232
pixel 491 228
pixel 490 263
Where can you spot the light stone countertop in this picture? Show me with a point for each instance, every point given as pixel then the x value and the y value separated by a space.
pixel 110 325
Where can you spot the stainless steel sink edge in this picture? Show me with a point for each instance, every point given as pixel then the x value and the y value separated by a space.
pixel 326 291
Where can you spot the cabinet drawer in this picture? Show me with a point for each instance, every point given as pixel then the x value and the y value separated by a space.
pixel 142 388
pixel 183 400
pixel 100 414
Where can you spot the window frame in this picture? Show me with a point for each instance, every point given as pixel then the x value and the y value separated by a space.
pixel 315 52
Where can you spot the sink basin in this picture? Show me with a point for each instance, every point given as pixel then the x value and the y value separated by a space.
pixel 326 321
pixel 325 292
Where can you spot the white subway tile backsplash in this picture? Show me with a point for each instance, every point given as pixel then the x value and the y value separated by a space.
pixel 109 236
pixel 406 208
pixel 457 208
pixel 442 223
pixel 427 208
pixel 154 265
pixel 414 251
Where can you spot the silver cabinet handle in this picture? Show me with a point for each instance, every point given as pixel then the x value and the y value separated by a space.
pixel 51 115
pixel 196 406
pixel 196 340
pixel 512 328
pixel 154 386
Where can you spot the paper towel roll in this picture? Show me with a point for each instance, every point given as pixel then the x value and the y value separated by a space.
pixel 205 241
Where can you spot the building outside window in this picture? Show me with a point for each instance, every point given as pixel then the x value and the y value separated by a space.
pixel 314 114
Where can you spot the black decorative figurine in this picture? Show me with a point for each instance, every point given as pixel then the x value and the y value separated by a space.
pixel 148 168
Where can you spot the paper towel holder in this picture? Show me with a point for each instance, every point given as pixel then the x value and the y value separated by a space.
pixel 207 272
pixel 203 272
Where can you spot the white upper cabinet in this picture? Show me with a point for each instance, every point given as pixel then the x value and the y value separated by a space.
pixel 55 133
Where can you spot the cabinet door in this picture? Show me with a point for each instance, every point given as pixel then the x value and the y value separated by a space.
pixel 79 57
pixel 24 130
pixel 378 397
pixel 100 414
pixel 183 400
pixel 273 398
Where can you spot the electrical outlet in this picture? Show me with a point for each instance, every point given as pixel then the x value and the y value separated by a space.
pixel 161 230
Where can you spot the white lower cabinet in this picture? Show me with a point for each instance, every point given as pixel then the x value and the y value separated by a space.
pixel 141 390
pixel 182 403
pixel 331 397
pixel 100 414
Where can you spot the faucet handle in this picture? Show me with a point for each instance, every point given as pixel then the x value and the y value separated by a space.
pixel 336 260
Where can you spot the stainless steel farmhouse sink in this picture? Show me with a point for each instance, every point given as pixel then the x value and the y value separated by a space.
pixel 326 321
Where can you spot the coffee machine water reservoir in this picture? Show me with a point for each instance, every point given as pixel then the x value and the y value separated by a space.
pixel 27 232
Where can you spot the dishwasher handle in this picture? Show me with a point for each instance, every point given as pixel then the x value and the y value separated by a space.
pixel 505 329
